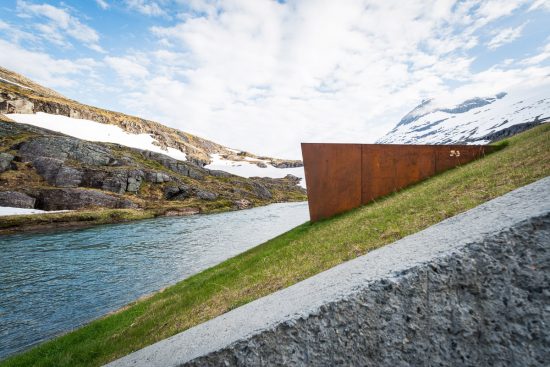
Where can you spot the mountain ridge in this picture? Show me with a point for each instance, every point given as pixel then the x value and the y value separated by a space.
pixel 19 94
pixel 477 120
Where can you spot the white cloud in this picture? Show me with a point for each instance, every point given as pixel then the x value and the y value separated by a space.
pixel 102 4
pixel 264 76
pixel 504 36
pixel 59 24
pixel 542 56
pixel 151 8
pixel 39 66
pixel 130 69
pixel 540 4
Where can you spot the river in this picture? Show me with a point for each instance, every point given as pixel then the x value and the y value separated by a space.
pixel 51 283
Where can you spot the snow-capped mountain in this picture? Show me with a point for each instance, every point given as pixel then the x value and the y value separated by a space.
pixel 476 120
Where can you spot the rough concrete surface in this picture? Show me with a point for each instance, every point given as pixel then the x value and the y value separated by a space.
pixel 473 290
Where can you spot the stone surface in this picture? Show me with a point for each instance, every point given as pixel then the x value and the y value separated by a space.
pixel 63 147
pixel 182 212
pixel 5 161
pixel 157 177
pixel 16 199
pixel 218 173
pixel 472 290
pixel 184 168
pixel 72 199
pixel 206 195
pixel 56 173
pixel 242 204
pixel 179 192
pixel 260 190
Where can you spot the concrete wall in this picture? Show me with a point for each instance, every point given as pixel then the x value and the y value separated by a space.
pixel 472 290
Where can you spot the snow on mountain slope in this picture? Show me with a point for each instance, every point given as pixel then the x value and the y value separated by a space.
pixel 94 131
pixel 474 120
pixel 247 168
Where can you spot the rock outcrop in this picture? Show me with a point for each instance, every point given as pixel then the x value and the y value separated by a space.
pixel 57 172
pixel 16 199
pixel 72 199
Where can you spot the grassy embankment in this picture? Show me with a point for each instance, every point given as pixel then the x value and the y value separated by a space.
pixel 298 254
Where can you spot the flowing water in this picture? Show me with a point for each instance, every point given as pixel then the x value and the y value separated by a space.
pixel 54 282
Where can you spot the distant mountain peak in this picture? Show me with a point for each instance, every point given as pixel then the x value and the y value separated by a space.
pixel 477 119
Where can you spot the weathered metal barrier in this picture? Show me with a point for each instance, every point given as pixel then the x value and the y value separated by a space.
pixel 340 177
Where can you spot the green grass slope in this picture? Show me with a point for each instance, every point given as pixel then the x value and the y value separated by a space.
pixel 297 255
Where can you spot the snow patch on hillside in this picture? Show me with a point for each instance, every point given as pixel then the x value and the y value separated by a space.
pixel 7 210
pixel 13 83
pixel 248 169
pixel 94 131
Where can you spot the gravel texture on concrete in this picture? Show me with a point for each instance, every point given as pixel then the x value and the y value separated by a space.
pixel 472 290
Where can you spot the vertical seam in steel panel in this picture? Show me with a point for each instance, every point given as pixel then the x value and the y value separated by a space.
pixel 361 177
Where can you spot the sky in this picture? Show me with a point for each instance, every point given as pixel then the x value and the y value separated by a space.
pixel 265 75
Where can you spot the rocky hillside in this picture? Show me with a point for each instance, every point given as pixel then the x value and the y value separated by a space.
pixel 46 170
pixel 476 120
pixel 19 94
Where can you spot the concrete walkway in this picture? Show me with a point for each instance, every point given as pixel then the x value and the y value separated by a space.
pixel 471 290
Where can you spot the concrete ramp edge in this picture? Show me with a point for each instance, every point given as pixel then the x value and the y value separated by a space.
pixel 471 290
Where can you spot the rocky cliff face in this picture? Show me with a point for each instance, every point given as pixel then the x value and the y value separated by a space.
pixel 21 95
pixel 46 170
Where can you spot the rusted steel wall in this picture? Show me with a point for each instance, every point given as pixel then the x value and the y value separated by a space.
pixel 340 177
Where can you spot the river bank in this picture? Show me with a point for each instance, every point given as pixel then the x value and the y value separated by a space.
pixel 45 222
pixel 57 281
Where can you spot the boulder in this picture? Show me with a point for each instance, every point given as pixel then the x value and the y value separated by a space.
pixel 72 199
pixel 179 192
pixel 16 199
pixel 157 177
pixel 242 204
pixel 116 182
pixel 260 190
pixel 16 105
pixel 293 178
pixel 134 184
pixel 56 173
pixel 218 173
pixel 5 161
pixel 206 195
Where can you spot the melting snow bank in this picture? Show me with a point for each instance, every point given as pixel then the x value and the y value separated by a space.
pixel 6 210
pixel 94 131
pixel 248 169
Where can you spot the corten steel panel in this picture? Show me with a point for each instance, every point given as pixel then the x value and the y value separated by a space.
pixel 387 168
pixel 450 156
pixel 333 178
pixel 341 177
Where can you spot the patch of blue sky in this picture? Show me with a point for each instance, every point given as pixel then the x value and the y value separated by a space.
pixel 535 34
